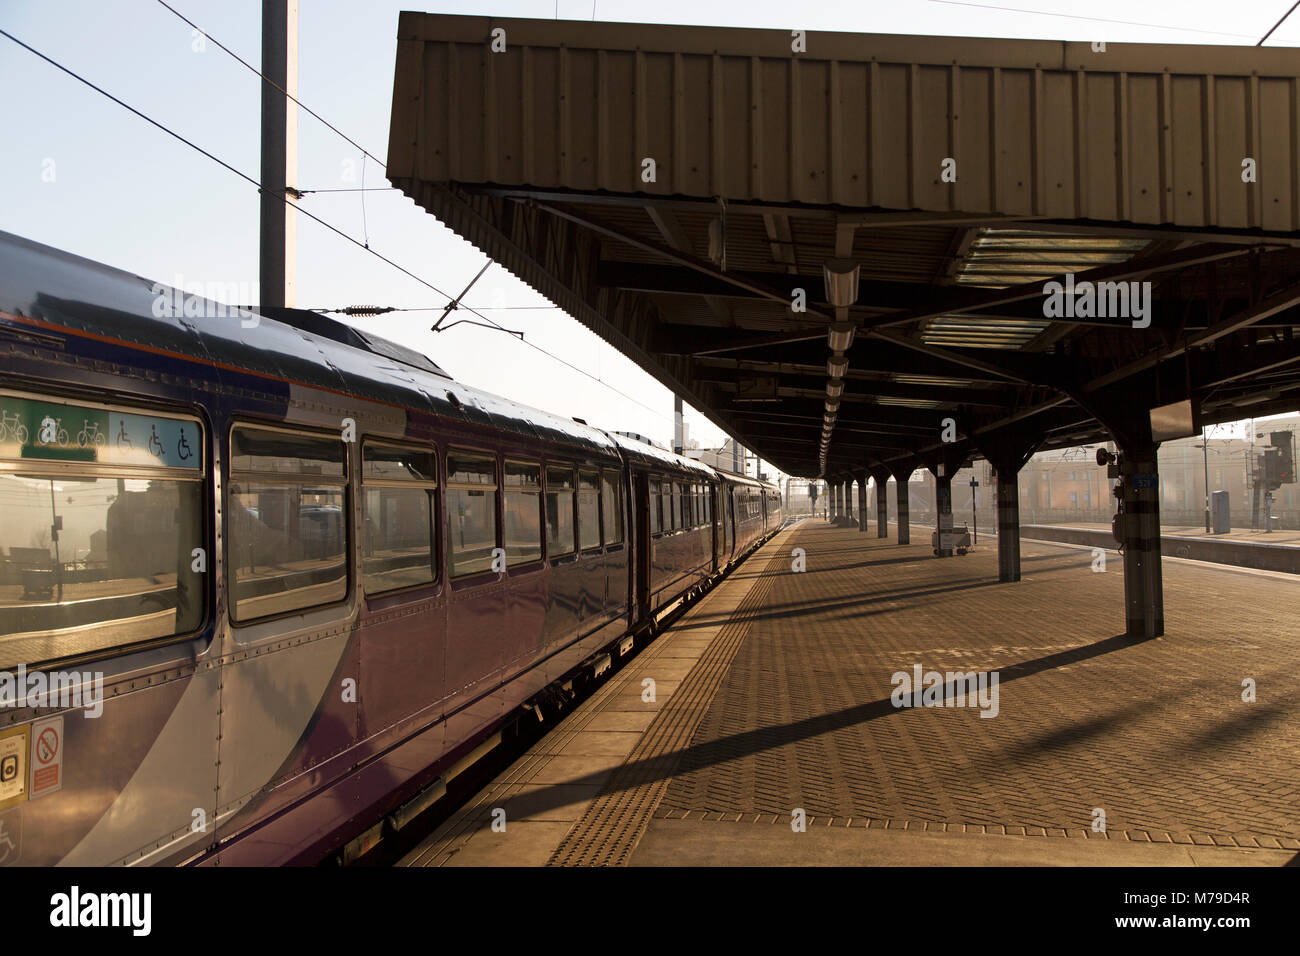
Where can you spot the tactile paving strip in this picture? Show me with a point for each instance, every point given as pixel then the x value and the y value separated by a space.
pixel 610 829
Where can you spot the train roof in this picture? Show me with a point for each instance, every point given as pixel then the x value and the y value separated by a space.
pixel 652 454
pixel 47 284
pixel 745 480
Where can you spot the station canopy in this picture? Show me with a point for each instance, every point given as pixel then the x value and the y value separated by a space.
pixel 837 245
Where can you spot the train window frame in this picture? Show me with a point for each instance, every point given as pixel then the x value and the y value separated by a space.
pixel 287 479
pixel 525 565
pixel 570 555
pixel 652 506
pixel 477 575
pixel 435 510
pixel 107 636
pixel 611 480
pixel 579 491
pixel 665 506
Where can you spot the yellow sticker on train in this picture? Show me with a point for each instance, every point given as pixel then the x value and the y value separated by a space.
pixel 13 765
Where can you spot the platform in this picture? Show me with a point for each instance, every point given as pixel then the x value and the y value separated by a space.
pixel 774 693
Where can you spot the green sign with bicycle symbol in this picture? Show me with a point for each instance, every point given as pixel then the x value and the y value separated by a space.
pixel 54 431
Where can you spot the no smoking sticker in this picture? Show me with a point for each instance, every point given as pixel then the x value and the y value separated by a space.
pixel 47 757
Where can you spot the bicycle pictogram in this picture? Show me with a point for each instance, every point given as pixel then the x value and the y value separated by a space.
pixel 91 435
pixel 12 428
pixel 52 431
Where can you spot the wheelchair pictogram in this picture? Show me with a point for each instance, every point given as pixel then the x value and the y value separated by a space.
pixel 10 843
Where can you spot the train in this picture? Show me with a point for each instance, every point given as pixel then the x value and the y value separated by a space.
pixel 269 581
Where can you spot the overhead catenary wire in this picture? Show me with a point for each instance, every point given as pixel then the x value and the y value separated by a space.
pixel 306 109
pixel 285 199
pixel 1075 16
pixel 365 153
pixel 216 159
pixel 1279 23
pixel 384 309
pixel 354 189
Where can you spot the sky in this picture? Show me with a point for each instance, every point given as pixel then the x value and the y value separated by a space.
pixel 81 173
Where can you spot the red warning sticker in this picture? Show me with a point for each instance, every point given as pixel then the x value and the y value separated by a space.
pixel 47 757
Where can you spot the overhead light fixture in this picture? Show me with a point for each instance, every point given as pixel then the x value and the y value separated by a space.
pixel 841 277
pixel 836 367
pixel 832 404
pixel 840 336
pixel 834 389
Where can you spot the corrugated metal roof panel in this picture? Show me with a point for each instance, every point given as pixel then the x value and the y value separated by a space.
pixel 1139 133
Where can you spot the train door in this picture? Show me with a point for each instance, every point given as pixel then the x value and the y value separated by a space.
pixel 641 515
pixel 713 495
pixel 728 522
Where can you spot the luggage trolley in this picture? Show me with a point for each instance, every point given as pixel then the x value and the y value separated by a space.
pixel 960 540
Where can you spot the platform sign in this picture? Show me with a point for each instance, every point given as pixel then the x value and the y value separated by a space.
pixel 1143 481
pixel 1174 421
pixel 47 757
pixel 61 431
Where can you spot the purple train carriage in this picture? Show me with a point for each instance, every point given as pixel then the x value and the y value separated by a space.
pixel 267 581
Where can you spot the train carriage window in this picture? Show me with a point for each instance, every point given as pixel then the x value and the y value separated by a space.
pixel 287 520
pixel 666 506
pixel 523 512
pixel 611 501
pixel 677 504
pixel 398 502
pixel 559 512
pixel 653 506
pixel 708 505
pixel 589 509
pixel 101 512
pixel 688 506
pixel 471 512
